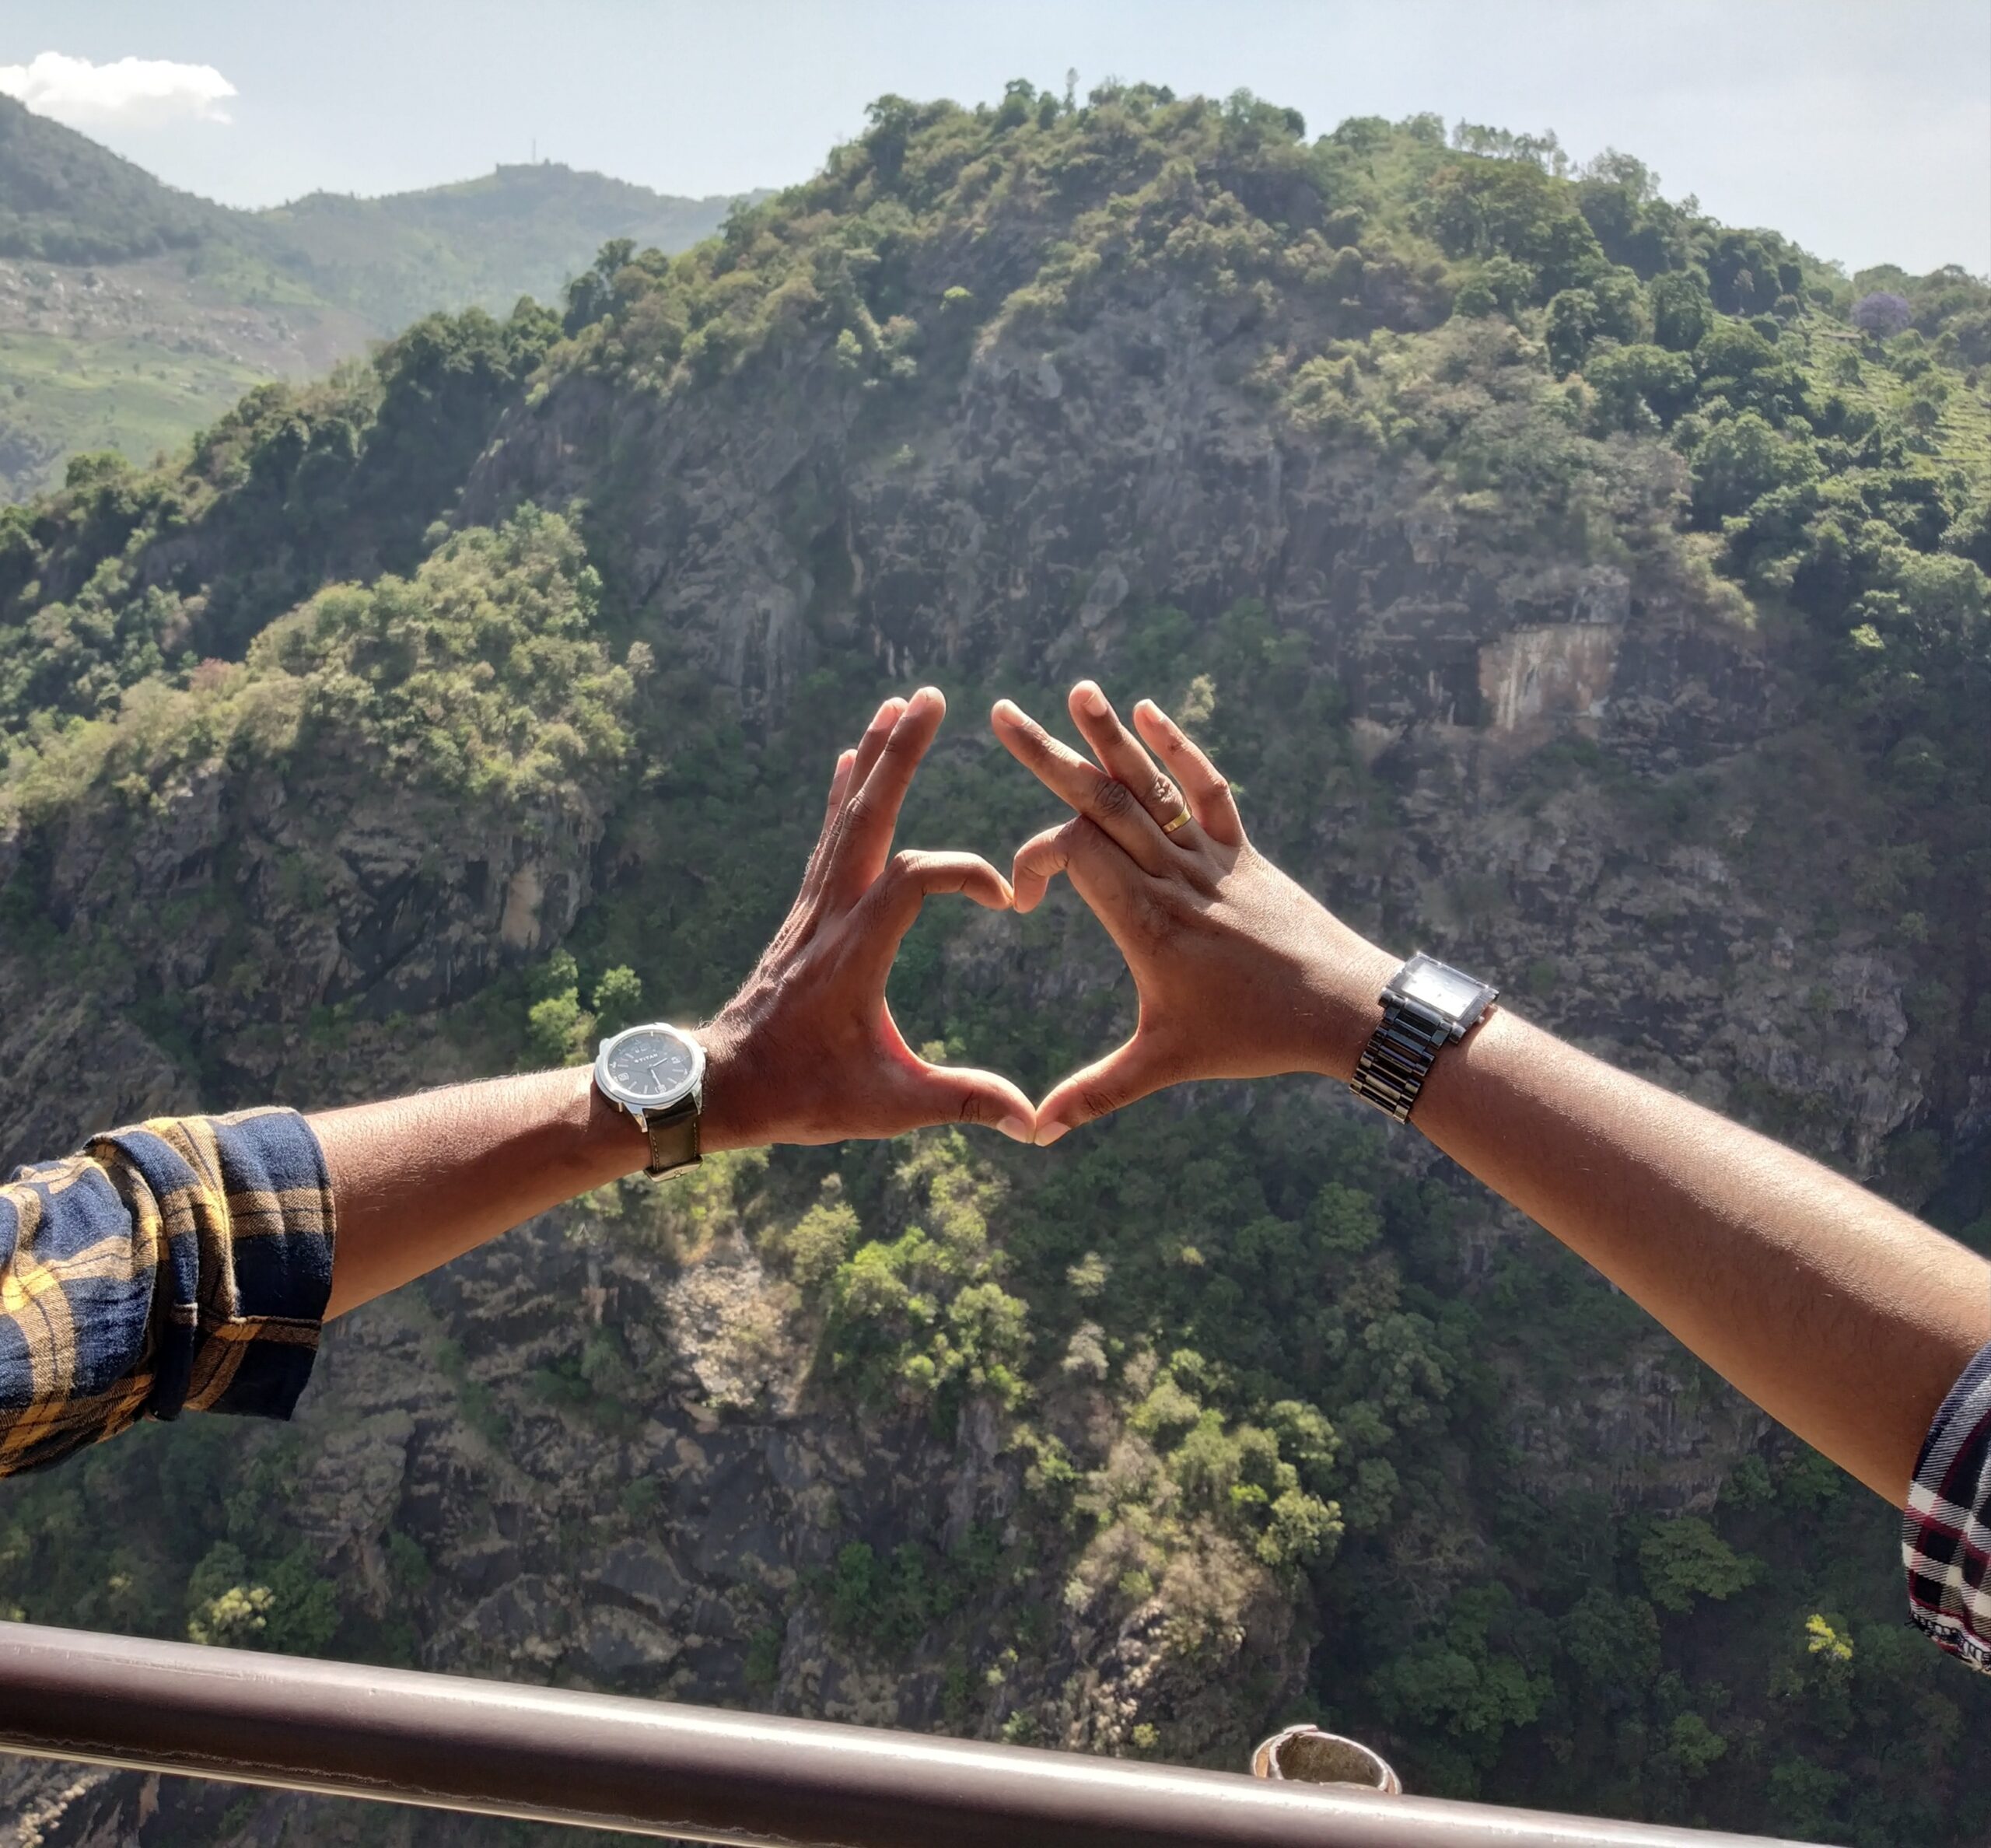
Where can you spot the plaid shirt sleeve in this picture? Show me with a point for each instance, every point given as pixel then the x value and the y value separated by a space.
pixel 1946 1533
pixel 182 1264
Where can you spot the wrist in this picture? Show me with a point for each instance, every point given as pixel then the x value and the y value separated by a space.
pixel 610 1141
pixel 725 1117
pixel 1346 976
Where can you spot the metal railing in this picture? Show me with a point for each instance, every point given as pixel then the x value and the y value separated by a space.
pixel 649 1768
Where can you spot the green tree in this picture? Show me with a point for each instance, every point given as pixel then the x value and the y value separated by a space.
pixel 618 998
pixel 1740 460
pixel 1681 313
pixel 1640 387
pixel 1683 1558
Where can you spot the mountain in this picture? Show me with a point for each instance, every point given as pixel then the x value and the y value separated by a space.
pixel 1581 589
pixel 519 230
pixel 131 314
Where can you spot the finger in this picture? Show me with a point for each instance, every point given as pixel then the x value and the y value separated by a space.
pixel 1126 763
pixel 873 811
pixel 852 767
pixel 1084 786
pixel 801 913
pixel 888 910
pixel 963 1094
pixel 871 746
pixel 839 789
pixel 1209 798
pixel 1101 871
pixel 1128 1071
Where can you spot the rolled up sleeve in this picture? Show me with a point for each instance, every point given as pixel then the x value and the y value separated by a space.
pixel 180 1265
pixel 1946 1532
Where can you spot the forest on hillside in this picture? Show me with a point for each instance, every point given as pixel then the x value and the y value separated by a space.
pixel 1571 586
pixel 131 313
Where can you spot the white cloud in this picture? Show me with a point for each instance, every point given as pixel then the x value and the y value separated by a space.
pixel 139 93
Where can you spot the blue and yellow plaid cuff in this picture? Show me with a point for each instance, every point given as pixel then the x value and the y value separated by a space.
pixel 182 1264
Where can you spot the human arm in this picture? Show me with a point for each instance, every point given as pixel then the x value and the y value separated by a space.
pixel 186 1264
pixel 807 1052
pixel 1844 1317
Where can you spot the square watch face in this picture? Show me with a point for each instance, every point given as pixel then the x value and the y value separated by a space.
pixel 1443 990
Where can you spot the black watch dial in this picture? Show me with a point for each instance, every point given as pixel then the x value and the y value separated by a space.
pixel 649 1068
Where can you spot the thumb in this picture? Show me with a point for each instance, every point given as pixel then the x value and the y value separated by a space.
pixel 962 1094
pixel 1127 1073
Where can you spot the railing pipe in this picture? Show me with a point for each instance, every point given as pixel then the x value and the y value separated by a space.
pixel 648 1768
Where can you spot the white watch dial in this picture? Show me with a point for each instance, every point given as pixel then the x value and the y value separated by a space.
pixel 1442 989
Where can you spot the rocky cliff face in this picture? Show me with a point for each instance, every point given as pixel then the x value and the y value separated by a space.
pixel 1504 712
pixel 567 1539
pixel 287 903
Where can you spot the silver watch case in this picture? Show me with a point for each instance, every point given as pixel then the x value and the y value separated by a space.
pixel 668 1112
pixel 1445 994
pixel 1427 1006
pixel 640 1104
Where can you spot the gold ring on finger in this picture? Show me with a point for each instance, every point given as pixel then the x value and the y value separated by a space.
pixel 1181 819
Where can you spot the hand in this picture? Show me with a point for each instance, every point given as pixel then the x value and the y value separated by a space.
pixel 1239 973
pixel 807 1051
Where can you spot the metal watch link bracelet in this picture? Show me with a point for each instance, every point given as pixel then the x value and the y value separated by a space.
pixel 1427 1006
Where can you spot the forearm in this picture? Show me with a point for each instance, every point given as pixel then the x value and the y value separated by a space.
pixel 1845 1319
pixel 419 1181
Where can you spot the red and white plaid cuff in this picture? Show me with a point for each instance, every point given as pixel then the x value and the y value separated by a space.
pixel 1945 1531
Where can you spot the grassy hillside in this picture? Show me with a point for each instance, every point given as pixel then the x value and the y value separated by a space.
pixel 519 230
pixel 132 314
pixel 1582 589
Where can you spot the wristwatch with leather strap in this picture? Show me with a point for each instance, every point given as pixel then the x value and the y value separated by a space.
pixel 657 1074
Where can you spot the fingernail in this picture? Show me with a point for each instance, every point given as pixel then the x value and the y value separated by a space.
pixel 1008 711
pixel 1047 1133
pixel 1015 1129
pixel 1094 701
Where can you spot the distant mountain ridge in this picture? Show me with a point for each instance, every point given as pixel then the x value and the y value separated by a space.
pixel 131 313
pixel 517 230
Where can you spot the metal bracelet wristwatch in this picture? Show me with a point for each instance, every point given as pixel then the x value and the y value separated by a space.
pixel 1427 1006
pixel 657 1074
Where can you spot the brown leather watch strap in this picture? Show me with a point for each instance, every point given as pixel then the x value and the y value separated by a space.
pixel 673 1135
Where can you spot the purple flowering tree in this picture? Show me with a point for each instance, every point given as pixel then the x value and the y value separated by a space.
pixel 1883 313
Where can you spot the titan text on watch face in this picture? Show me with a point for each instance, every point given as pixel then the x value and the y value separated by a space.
pixel 649 1067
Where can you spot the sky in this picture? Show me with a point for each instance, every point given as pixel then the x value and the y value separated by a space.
pixel 1861 127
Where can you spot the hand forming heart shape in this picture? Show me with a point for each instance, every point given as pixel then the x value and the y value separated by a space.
pixel 808 1051
pixel 1239 972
